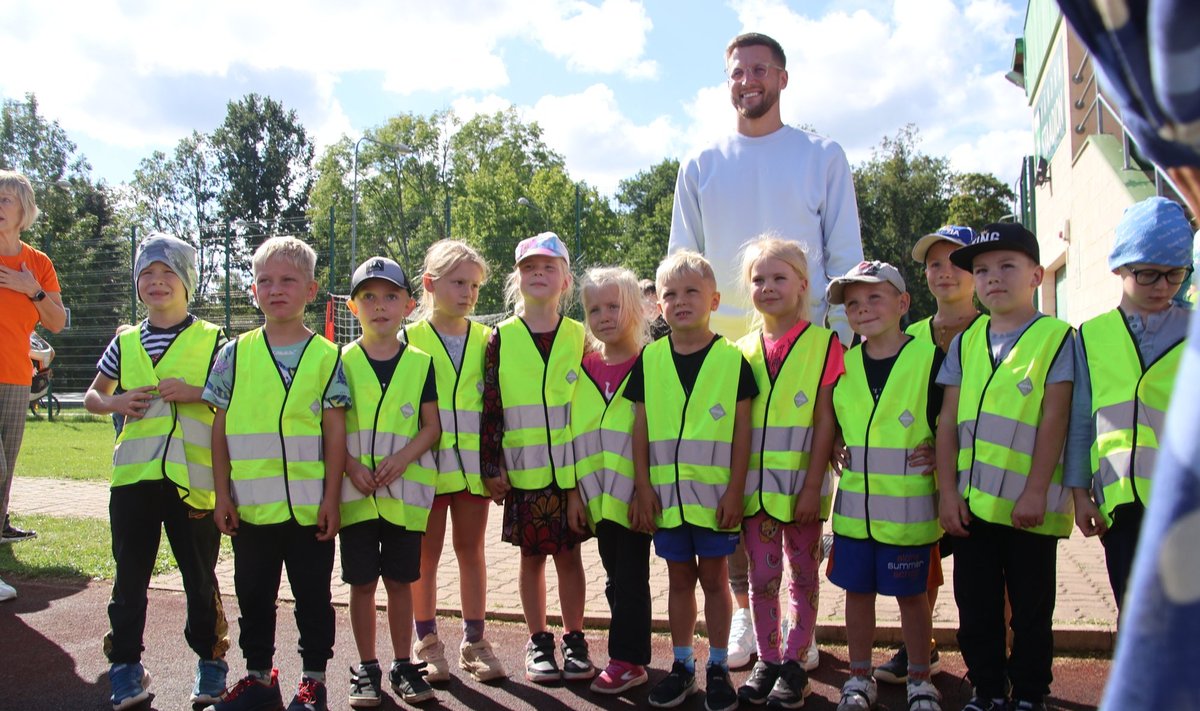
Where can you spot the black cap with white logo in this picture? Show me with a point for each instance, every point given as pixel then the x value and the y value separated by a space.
pixel 379 268
pixel 997 236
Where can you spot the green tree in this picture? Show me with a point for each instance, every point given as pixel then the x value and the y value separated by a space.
pixel 978 199
pixel 646 201
pixel 902 194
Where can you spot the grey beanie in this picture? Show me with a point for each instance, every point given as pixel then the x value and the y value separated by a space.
pixel 171 251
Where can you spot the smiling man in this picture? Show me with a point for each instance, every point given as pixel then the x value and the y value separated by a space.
pixel 766 177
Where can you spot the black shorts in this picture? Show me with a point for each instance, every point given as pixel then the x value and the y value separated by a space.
pixel 375 548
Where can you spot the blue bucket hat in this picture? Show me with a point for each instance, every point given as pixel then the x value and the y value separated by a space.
pixel 1153 231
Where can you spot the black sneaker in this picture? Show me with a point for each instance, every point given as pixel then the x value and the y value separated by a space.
pixel 310 696
pixel 983 703
pixel 576 664
pixel 790 688
pixel 718 690
pixel 366 685
pixel 540 665
pixel 251 694
pixel 12 534
pixel 408 681
pixel 1025 705
pixel 760 682
pixel 673 688
pixel 894 670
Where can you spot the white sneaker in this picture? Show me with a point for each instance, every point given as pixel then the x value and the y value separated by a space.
pixel 429 649
pixel 812 658
pixel 479 660
pixel 923 696
pixel 859 693
pixel 741 638
pixel 7 592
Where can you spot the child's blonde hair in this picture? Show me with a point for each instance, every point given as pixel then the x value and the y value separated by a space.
pixel 769 246
pixel 629 296
pixel 443 257
pixel 512 289
pixel 290 249
pixel 685 261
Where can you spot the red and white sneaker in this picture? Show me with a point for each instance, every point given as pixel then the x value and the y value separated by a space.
pixel 619 676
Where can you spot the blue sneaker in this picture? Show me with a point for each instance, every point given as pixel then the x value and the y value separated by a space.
pixel 210 681
pixel 309 697
pixel 251 694
pixel 129 682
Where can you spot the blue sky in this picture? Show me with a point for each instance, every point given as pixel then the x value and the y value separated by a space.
pixel 617 85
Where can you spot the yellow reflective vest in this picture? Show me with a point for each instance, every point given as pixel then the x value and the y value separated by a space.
pixel 880 497
pixel 603 446
pixel 172 440
pixel 379 423
pixel 922 330
pixel 1129 409
pixel 691 434
pixel 999 412
pixel 782 422
pixel 536 396
pixel 277 467
pixel 460 405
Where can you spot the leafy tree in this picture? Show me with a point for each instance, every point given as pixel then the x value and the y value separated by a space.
pixel 902 194
pixel 978 199
pixel 646 201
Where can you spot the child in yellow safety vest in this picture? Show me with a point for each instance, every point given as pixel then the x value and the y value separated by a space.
pixel 1125 366
pixel 999 454
pixel 162 469
pixel 279 451
pixel 693 392
pixel 531 367
pixel 796 364
pixel 454 272
pixel 602 424
pixel 885 521
pixel 391 426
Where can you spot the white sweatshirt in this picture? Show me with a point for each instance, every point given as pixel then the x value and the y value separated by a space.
pixel 792 183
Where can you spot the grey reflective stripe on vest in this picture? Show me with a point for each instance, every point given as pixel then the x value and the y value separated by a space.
pixel 781 481
pixel 196 432
pixel 894 509
pixel 535 456
pixel 694 452
pixel 1005 432
pixel 266 445
pixel 410 492
pixel 882 460
pixel 606 481
pixel 1122 416
pixel 147 449
pixel 359 443
pixel 780 439
pixel 468 421
pixel 270 490
pixel 689 493
pixel 469 458
pixel 591 443
pixel 1008 485
pixel 523 417
pixel 1117 466
pixel 350 492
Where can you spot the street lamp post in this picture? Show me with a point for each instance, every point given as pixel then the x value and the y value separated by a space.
pixel 536 209
pixel 401 150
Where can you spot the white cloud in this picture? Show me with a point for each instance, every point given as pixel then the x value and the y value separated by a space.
pixel 610 38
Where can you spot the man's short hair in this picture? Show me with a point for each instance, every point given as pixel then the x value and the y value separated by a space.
pixel 755 39
pixel 683 262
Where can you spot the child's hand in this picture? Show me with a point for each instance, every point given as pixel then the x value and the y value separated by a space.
pixel 360 476
pixel 954 513
pixel 922 457
pixel 225 516
pixel 329 519
pixel 390 469
pixel 133 403
pixel 177 390
pixel 497 486
pixel 841 456
pixel 645 509
pixel 576 513
pixel 729 510
pixel 1030 509
pixel 808 506
pixel 1087 515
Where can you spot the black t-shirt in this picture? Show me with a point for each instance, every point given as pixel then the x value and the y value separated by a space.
pixel 385 369
pixel 877 372
pixel 688 368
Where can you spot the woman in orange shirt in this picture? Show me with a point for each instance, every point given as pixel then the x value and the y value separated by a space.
pixel 29 294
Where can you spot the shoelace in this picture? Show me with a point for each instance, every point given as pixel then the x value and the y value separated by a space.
pixel 308 692
pixel 240 687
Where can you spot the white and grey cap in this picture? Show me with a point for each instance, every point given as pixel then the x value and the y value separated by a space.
pixel 869 272
pixel 171 251
pixel 379 268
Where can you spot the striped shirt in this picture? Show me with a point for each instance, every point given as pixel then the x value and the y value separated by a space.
pixel 154 339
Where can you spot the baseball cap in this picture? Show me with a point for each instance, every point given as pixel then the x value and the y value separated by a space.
pixel 1153 231
pixel 546 244
pixel 178 255
pixel 994 237
pixel 379 268
pixel 954 234
pixel 872 272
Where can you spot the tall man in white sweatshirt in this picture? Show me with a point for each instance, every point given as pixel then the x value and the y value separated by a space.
pixel 766 177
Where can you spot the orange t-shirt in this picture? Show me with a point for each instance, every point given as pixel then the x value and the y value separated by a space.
pixel 19 316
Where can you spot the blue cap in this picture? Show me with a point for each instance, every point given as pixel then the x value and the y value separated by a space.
pixel 957 235
pixel 1153 231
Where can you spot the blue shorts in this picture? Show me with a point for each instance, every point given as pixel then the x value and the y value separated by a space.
pixel 869 567
pixel 685 543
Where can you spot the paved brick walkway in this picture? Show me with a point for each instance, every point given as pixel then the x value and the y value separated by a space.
pixel 1085 616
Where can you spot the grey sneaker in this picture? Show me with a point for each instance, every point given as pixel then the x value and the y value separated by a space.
pixel 429 649
pixel 366 685
pixel 540 665
pixel 408 681
pixel 859 693
pixel 210 681
pixel 790 688
pixel 479 660
pixel 576 663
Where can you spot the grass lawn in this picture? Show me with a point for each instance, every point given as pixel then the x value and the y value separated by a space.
pixel 68 547
pixel 67 449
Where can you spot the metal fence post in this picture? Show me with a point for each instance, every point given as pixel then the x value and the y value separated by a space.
pixel 228 310
pixel 332 254
pixel 447 208
pixel 133 282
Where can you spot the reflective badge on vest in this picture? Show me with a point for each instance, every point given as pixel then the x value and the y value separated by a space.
pixel 407 410
pixel 717 411
pixel 801 398
pixel 315 407
pixel 1025 386
pixel 571 376
pixel 906 418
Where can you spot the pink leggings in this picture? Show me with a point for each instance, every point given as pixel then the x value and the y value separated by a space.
pixel 766 542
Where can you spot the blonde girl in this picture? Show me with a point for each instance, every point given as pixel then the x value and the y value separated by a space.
pixel 796 364
pixel 453 275
pixel 531 366
pixel 602 422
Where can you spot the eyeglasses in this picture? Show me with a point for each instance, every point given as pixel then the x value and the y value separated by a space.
pixel 1174 277
pixel 758 72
